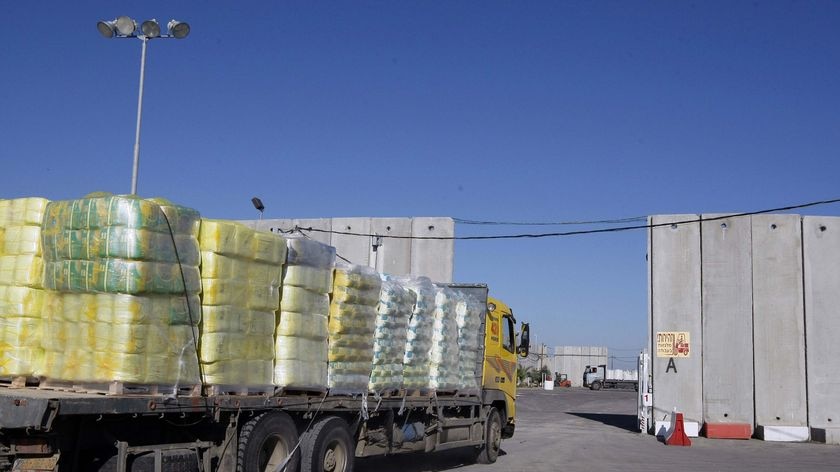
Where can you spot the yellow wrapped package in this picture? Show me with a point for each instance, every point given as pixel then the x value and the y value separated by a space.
pixel 22 270
pixel 239 372
pixel 343 294
pixel 25 211
pixel 218 266
pixel 166 310
pixel 228 319
pixel 240 293
pixel 359 277
pixel 235 239
pixel 268 247
pixel 21 301
pixel 22 240
pixel 231 346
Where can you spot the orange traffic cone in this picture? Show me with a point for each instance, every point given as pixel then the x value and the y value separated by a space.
pixel 678 436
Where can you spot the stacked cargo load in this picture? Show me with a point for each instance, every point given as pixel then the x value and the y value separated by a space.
pixel 241 274
pixel 469 312
pixel 416 362
pixel 352 324
pixel 444 373
pixel 301 346
pixel 21 288
pixel 396 304
pixel 124 305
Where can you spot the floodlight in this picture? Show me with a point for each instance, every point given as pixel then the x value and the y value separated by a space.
pixel 126 26
pixel 178 29
pixel 106 28
pixel 258 204
pixel 150 28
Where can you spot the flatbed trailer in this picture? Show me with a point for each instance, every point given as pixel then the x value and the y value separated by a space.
pixel 45 429
pixel 50 429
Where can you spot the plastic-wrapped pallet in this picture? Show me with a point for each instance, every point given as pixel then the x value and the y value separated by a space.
pixel 469 312
pixel 416 362
pixel 241 273
pixel 95 338
pixel 21 283
pixel 351 327
pixel 300 350
pixel 444 373
pixel 123 304
pixel 393 311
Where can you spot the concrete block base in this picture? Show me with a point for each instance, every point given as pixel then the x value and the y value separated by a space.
pixel 663 428
pixel 826 435
pixel 783 433
pixel 728 430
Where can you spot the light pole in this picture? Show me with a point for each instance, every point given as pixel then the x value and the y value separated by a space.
pixel 126 27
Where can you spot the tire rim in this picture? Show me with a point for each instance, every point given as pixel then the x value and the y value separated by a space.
pixel 273 453
pixel 496 435
pixel 335 457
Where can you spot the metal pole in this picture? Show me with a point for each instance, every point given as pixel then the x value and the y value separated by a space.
pixel 139 114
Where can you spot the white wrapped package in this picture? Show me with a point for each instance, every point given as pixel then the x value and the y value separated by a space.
pixel 301 300
pixel 311 326
pixel 393 311
pixel 469 313
pixel 351 326
pixel 316 279
pixel 300 374
pixel 444 373
pixel 419 334
pixel 306 252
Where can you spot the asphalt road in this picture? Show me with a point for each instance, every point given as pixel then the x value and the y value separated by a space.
pixel 578 429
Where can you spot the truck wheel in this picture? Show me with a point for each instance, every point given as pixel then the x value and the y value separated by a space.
pixel 595 385
pixel 492 439
pixel 265 442
pixel 327 447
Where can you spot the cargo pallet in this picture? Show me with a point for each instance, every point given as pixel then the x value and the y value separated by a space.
pixel 121 388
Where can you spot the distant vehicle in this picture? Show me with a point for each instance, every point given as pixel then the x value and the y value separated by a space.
pixel 598 377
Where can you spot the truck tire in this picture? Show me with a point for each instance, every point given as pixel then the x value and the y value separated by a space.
pixel 489 451
pixel 266 441
pixel 327 447
pixel 596 385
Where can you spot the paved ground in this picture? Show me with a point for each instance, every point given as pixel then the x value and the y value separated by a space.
pixel 577 429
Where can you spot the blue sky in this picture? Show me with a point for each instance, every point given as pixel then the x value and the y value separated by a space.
pixel 524 111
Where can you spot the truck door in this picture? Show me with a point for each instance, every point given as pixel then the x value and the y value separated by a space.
pixel 500 353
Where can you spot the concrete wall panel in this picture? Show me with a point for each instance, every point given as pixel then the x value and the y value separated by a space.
pixel 821 241
pixel 353 248
pixel 727 320
pixel 392 255
pixel 778 322
pixel 676 307
pixel 429 257
pixel 322 224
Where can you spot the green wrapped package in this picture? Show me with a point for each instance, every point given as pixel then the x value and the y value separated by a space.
pixel 120 242
pixel 128 211
pixel 121 276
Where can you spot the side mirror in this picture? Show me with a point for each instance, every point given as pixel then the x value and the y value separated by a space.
pixel 524 341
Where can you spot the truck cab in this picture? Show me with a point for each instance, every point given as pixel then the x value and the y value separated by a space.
pixel 500 361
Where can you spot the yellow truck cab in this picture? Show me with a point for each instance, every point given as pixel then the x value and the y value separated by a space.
pixel 500 361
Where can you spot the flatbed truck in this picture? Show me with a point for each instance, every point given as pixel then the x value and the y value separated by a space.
pixel 598 377
pixel 53 430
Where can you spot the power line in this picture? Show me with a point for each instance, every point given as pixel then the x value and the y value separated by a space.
pixel 558 223
pixel 574 233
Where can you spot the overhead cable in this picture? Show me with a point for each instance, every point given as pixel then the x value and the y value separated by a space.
pixel 573 233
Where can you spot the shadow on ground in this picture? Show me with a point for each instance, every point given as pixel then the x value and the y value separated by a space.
pixel 418 462
pixel 626 422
